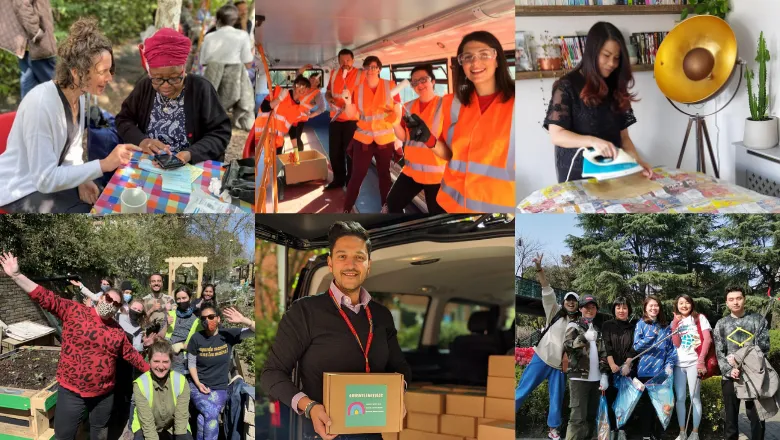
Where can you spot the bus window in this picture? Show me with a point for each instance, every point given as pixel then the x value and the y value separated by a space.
pixel 455 321
pixel 385 73
pixel 408 313
pixel 402 72
pixel 285 77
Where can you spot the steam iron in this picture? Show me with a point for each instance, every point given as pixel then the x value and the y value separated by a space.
pixel 604 168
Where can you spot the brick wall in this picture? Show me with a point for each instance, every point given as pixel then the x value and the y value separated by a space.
pixel 16 306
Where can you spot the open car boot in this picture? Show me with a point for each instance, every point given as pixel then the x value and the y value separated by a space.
pixel 239 179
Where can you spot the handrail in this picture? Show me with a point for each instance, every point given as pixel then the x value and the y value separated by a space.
pixel 265 148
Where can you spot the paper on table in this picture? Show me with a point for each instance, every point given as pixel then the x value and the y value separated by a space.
pixel 201 202
pixel 147 165
pixel 177 181
pixel 195 172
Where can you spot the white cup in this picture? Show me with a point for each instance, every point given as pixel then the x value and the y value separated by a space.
pixel 133 201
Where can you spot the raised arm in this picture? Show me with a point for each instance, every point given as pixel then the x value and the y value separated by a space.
pixel 47 299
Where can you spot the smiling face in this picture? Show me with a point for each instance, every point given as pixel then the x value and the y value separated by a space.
pixel 346 61
pixel 570 304
pixel 589 310
pixel 99 74
pixel 621 312
pixel 424 87
pixel 155 282
pixel 609 58
pixel 684 307
pixel 208 293
pixel 372 70
pixel 652 309
pixel 160 364
pixel 162 77
pixel 480 62
pixel 349 263
pixel 299 91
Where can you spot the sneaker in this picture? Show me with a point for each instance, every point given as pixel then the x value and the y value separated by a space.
pixel 693 436
pixel 553 434
pixel 682 436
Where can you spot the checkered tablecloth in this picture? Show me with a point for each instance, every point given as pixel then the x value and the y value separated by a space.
pixel 682 192
pixel 160 201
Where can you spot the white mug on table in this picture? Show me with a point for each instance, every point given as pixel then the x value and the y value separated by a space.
pixel 133 201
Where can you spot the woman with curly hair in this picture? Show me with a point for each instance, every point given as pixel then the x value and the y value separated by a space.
pixel 591 105
pixel 42 169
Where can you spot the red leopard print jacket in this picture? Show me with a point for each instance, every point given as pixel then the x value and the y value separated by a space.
pixel 90 346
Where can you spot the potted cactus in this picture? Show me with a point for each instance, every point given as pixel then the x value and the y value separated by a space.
pixel 761 130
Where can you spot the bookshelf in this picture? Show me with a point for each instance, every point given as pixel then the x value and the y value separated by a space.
pixel 557 11
pixel 538 74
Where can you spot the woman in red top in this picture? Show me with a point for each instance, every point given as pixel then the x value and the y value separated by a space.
pixel 91 343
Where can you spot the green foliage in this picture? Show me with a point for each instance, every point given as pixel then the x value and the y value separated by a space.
pixel 758 102
pixel 450 330
pixel 712 404
pixel 718 8
pixel 409 337
pixel 118 19
pixel 9 74
pixel 265 334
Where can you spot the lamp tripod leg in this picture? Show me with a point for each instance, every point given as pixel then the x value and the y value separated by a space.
pixel 700 158
pixel 709 147
pixel 685 142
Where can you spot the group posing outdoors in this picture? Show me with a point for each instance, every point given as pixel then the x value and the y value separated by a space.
pixel 149 364
pixel 458 148
pixel 168 111
pixel 650 352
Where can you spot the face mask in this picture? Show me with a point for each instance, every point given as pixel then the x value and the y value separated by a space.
pixel 106 310
pixel 571 312
pixel 127 297
pixel 183 306
pixel 105 288
pixel 135 315
pixel 212 325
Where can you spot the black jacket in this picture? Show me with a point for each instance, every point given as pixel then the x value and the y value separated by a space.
pixel 207 123
pixel 619 339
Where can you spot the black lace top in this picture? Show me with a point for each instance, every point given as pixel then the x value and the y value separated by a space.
pixel 568 111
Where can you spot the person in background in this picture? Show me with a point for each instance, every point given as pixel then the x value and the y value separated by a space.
pixel 423 169
pixel 39 60
pixel 652 329
pixel 43 168
pixel 618 337
pixel 342 128
pixel 584 344
pixel 183 323
pixel 172 112
pixel 377 111
pixel 319 107
pixel 209 294
pixel 127 295
pixel 91 344
pixel 208 358
pixel 548 360
pixel 340 321
pixel 747 329
pixel 162 399
pixel 133 323
pixel 163 301
pixel 90 298
pixel 290 108
pixel 244 22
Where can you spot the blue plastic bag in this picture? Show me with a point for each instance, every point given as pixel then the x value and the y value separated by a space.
pixel 602 422
pixel 629 392
pixel 661 391
pixel 102 138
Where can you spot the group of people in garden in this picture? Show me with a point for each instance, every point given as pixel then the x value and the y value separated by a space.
pixel 638 357
pixel 148 364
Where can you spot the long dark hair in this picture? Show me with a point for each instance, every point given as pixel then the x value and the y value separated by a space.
pixel 619 81
pixel 505 85
pixel 694 313
pixel 661 319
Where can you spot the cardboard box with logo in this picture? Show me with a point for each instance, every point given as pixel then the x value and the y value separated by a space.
pixel 312 165
pixel 364 403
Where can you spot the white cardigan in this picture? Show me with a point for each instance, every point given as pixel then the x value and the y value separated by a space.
pixel 35 144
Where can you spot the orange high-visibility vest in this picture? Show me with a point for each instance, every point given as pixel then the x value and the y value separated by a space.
pixel 337 86
pixel 372 110
pixel 285 115
pixel 480 176
pixel 422 164
pixel 308 103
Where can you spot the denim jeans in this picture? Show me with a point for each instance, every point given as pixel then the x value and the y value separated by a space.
pixel 35 72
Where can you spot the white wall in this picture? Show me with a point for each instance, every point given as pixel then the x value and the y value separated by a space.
pixel 659 132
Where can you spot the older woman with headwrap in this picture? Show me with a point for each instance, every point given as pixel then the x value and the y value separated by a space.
pixel 42 169
pixel 170 111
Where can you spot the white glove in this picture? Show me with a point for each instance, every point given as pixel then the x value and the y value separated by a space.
pixel 668 370
pixel 604 382
pixel 590 335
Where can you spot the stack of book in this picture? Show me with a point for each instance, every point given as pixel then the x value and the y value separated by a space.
pixel 599 2
pixel 645 43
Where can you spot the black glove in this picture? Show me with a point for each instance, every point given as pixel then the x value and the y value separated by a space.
pixel 186 436
pixel 418 131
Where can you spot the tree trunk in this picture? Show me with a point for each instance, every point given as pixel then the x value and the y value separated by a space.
pixel 168 14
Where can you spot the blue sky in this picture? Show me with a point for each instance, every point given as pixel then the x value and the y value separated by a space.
pixel 549 230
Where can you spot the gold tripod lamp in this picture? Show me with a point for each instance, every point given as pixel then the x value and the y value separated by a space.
pixel 693 65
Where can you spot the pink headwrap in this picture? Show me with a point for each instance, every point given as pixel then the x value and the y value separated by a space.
pixel 166 48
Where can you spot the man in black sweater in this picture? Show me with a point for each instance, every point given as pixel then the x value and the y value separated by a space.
pixel 330 333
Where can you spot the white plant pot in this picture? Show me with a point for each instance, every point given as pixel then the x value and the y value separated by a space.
pixel 761 135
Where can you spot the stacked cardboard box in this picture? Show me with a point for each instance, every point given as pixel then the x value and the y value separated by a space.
pixel 451 412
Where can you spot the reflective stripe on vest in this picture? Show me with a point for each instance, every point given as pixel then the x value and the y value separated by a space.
pixel 194 328
pixel 378 117
pixel 472 205
pixel 366 132
pixel 144 382
pixel 421 163
pixel 426 168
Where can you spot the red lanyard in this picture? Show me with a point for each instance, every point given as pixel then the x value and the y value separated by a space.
pixel 354 332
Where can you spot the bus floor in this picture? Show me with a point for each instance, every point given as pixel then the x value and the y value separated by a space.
pixel 311 197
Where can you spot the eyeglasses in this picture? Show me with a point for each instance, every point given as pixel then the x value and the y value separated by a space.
pixel 108 299
pixel 172 81
pixel 483 55
pixel 373 68
pixel 301 86
pixel 209 317
pixel 423 80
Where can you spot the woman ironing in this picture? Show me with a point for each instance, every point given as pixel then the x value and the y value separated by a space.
pixel 591 105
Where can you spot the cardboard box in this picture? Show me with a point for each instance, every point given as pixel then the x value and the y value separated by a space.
pixel 501 366
pixel 501 387
pixel 458 425
pixel 389 436
pixel 422 421
pixel 500 409
pixel 312 165
pixel 497 431
pixel 483 421
pixel 425 401
pixel 361 403
pixel 411 434
pixel 471 405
